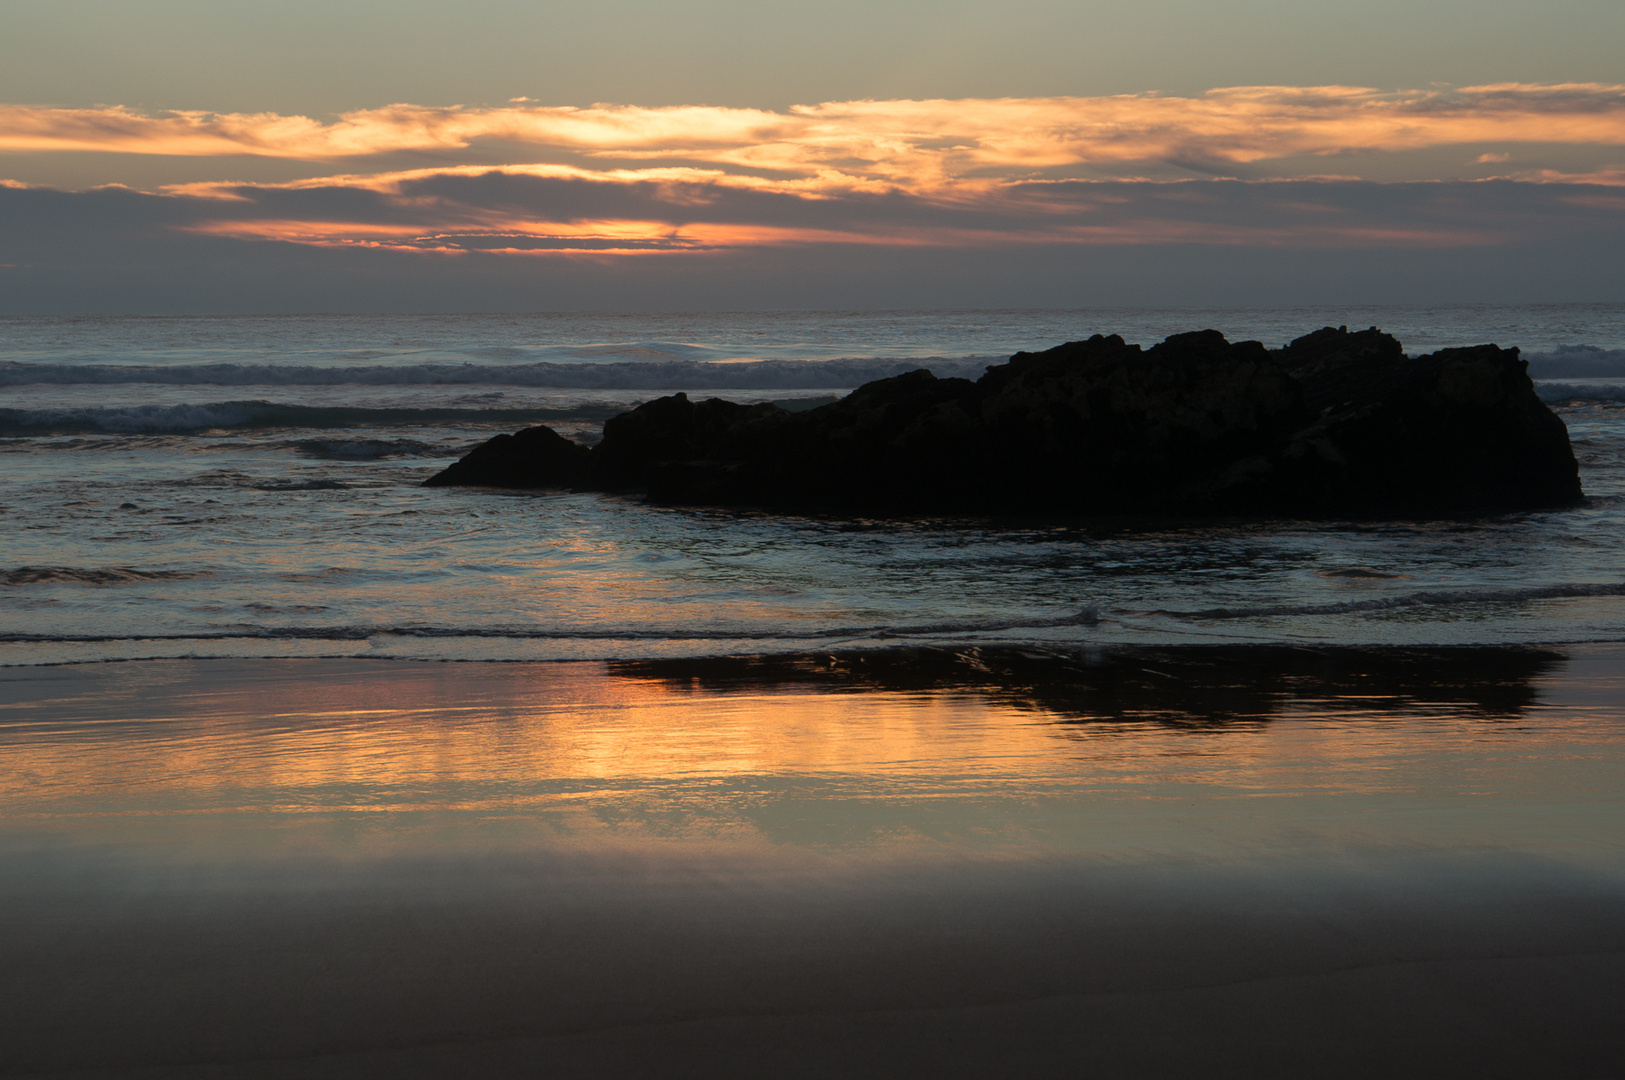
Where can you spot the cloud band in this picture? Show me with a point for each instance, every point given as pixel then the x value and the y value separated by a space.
pixel 916 145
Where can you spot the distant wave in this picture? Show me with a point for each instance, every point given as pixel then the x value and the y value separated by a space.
pixel 1577 362
pixel 340 449
pixel 644 375
pixel 1087 616
pixel 307 485
pixel 1566 362
pixel 110 575
pixel 145 419
pixel 1406 600
pixel 1554 392
pixel 229 415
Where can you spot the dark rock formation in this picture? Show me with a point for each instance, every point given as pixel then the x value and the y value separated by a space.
pixel 1458 430
pixel 1335 423
pixel 637 445
pixel 536 457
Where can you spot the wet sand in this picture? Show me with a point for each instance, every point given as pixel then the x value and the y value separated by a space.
pixel 1214 863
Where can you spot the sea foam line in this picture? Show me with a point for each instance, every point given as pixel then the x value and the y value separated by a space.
pixel 1407 600
pixel 639 375
pixel 1088 616
pixel 1554 393
pixel 1576 362
pixel 221 415
pixel 145 419
pixel 102 575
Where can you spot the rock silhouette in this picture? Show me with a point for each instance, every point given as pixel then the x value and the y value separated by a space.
pixel 537 457
pixel 1334 423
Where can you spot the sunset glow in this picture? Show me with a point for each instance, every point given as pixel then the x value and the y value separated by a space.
pixel 866 538
pixel 1240 168
pixel 917 145
pixel 526 236
pixel 627 180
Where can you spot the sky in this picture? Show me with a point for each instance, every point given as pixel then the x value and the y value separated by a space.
pixel 166 156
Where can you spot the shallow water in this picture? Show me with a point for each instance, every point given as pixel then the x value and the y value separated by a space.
pixel 158 519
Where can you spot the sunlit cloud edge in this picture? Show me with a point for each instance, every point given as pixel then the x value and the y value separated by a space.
pixel 916 145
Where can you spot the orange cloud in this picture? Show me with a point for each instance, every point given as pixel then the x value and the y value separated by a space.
pixel 554 211
pixel 595 237
pixel 670 178
pixel 1607 177
pixel 936 145
pixel 965 174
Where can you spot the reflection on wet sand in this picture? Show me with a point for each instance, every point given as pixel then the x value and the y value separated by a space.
pixel 1220 752
pixel 1192 686
pixel 1132 863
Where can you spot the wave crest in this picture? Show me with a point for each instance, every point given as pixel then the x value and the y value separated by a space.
pixel 1558 393
pixel 152 419
pixel 109 575
pixel 1408 600
pixel 1087 616
pixel 1577 362
pixel 639 375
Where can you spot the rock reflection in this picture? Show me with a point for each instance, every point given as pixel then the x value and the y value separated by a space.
pixel 1190 686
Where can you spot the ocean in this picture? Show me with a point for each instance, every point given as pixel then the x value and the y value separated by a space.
pixel 309 771
pixel 240 487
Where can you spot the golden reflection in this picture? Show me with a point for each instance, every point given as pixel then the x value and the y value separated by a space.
pixel 483 728
pixel 819 749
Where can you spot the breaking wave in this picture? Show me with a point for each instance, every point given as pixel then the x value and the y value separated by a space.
pixel 641 375
pixel 113 575
pixel 1087 616
pixel 1561 374
pixel 341 449
pixel 1554 393
pixel 1577 362
pixel 150 419
pixel 1407 600
pixel 1566 373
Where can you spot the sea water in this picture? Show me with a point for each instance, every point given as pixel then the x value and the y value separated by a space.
pixel 249 487
pixel 827 788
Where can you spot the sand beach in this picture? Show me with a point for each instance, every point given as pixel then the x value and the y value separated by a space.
pixel 1242 862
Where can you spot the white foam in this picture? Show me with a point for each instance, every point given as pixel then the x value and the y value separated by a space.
pixel 1409 600
pixel 1577 362
pixel 642 375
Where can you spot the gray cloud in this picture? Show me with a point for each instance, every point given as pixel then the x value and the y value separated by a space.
pixel 1037 244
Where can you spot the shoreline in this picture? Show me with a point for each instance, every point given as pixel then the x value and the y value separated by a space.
pixel 392 646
